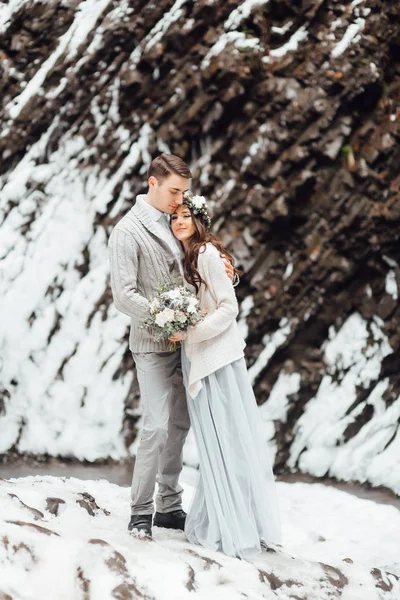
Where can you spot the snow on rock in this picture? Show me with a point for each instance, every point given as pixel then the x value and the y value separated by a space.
pixel 236 38
pixel 86 18
pixel 322 443
pixel 391 285
pixel 64 538
pixel 271 342
pixel 275 408
pixel 349 37
pixel 60 356
pixel 242 12
pixel 245 309
pixel 8 9
pixel 157 32
pixel 290 46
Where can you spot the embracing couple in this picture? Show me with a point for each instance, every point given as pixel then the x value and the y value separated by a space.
pixel 203 384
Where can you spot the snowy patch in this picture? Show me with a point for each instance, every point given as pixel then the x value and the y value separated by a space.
pixel 291 45
pixel 254 149
pixel 242 12
pixel 239 41
pixel 8 9
pixel 59 357
pixel 173 15
pixel 282 30
pixel 245 309
pixel 392 263
pixel 69 43
pixel 156 34
pixel 65 538
pixel 271 342
pixel 275 407
pixel 391 285
pixel 353 355
pixel 288 271
pixel 350 36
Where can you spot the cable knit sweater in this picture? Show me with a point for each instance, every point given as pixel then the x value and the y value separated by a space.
pixel 140 260
pixel 216 341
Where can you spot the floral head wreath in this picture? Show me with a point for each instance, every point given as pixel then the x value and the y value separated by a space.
pixel 199 207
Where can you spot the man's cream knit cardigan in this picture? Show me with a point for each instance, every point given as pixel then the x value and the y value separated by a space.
pixel 140 260
pixel 216 341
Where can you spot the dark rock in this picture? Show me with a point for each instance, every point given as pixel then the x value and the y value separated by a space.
pixel 275 582
pixel 83 583
pixel 33 526
pixel 209 562
pixel 37 514
pixel 53 504
pixel 385 584
pixel 191 582
pixel 89 504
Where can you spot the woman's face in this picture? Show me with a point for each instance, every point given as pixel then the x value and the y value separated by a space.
pixel 182 224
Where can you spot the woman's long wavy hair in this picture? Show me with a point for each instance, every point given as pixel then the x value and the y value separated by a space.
pixel 200 237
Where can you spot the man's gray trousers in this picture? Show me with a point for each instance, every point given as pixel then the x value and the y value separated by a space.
pixel 165 427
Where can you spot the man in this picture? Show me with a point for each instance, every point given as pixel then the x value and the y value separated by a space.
pixel 143 254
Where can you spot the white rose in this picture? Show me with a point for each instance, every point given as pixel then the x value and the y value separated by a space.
pixel 169 315
pixel 173 294
pixel 181 318
pixel 192 305
pixel 198 201
pixel 165 316
pixel 154 306
pixel 160 319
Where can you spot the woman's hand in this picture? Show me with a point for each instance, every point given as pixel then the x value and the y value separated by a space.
pixel 179 336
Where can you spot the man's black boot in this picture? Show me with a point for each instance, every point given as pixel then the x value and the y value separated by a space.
pixel 170 520
pixel 139 524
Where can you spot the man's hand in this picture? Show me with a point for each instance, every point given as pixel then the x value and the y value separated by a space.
pixel 228 268
pixel 179 336
pixel 234 277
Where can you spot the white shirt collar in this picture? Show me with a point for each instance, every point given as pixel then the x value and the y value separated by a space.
pixel 154 213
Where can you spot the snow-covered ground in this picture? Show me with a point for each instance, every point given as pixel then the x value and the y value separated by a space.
pixel 65 538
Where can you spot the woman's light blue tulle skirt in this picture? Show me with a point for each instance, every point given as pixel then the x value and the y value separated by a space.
pixel 234 508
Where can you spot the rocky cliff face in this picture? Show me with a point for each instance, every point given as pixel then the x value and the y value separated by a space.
pixel 288 114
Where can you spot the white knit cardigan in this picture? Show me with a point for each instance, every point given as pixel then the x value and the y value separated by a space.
pixel 216 341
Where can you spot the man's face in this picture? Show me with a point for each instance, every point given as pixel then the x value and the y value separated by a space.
pixel 168 195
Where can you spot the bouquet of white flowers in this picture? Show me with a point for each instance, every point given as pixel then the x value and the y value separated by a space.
pixel 174 309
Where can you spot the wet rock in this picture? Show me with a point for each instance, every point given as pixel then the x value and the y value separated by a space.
pixel 385 581
pixel 335 576
pixel 53 504
pixel 89 504
pixel 83 583
pixel 116 563
pixel 37 514
pixel 33 526
pixel 276 582
pixel 191 582
pixel 209 562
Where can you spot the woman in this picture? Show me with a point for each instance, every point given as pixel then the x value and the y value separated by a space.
pixel 234 507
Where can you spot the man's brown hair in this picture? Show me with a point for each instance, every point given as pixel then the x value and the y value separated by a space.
pixel 166 164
